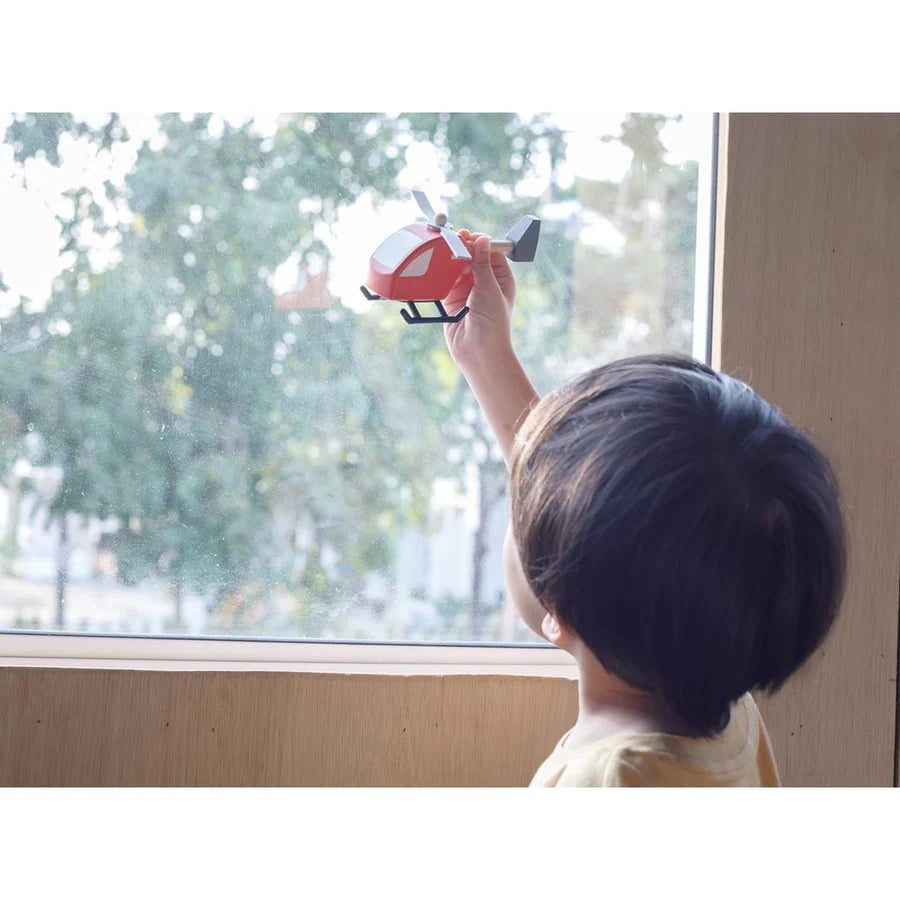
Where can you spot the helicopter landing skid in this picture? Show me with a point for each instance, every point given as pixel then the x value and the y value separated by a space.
pixel 418 319
pixel 415 317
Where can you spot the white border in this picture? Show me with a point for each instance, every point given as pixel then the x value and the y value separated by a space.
pixel 188 654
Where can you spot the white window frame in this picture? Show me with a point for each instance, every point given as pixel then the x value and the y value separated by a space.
pixel 240 654
pixel 703 249
pixel 224 653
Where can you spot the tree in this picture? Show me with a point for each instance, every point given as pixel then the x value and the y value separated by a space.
pixel 485 157
pixel 246 452
pixel 638 299
pixel 187 354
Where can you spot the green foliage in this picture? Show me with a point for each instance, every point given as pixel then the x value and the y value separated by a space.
pixel 650 281
pixel 245 452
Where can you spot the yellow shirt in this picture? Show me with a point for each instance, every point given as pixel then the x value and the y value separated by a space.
pixel 739 756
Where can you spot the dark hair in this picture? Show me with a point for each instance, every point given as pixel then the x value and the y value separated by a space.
pixel 682 528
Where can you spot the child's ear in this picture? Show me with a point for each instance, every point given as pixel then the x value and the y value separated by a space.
pixel 555 631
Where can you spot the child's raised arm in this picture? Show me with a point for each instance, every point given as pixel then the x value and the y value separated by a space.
pixel 481 343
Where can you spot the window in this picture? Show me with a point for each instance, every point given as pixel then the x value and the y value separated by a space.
pixel 206 430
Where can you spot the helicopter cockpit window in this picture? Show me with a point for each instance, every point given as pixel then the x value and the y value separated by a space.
pixel 396 248
pixel 419 266
pixel 207 429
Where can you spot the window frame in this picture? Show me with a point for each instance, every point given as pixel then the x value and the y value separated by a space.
pixel 224 653
pixel 21 648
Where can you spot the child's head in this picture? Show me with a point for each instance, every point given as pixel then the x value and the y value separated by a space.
pixel 677 524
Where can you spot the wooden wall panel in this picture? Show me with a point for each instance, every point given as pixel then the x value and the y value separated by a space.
pixel 84 727
pixel 808 308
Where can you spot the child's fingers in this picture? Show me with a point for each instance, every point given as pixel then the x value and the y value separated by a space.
pixel 459 293
pixel 470 237
pixel 499 263
pixel 482 271
pixel 503 274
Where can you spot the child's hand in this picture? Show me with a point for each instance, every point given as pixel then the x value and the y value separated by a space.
pixel 481 342
pixel 488 287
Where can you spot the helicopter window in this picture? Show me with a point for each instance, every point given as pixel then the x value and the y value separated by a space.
pixel 396 248
pixel 419 266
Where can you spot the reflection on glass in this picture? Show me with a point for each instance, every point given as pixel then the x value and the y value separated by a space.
pixel 206 429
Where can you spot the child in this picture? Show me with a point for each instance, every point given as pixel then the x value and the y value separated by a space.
pixel 671 531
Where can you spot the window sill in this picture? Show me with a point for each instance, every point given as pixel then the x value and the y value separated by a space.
pixel 235 654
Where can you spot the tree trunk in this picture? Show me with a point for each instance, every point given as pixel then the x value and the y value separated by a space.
pixel 62 572
pixel 10 539
pixel 177 599
pixel 491 483
pixel 479 548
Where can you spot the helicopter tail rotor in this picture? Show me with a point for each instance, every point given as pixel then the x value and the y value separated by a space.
pixel 524 236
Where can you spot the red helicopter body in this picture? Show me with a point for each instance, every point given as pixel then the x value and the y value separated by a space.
pixel 414 263
pixel 421 262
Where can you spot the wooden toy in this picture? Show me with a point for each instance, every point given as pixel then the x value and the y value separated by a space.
pixel 422 261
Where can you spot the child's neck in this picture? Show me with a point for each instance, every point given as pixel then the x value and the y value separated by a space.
pixel 607 706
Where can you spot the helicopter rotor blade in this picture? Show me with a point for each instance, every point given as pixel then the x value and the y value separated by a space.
pixel 424 205
pixel 457 247
pixel 454 241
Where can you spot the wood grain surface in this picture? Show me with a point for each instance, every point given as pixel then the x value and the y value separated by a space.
pixel 808 307
pixel 88 727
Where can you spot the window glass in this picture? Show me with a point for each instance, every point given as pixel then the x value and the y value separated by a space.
pixel 206 429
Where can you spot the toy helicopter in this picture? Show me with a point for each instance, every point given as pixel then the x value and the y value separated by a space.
pixel 421 262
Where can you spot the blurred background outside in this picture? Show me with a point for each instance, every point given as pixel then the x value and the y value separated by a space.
pixel 205 429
